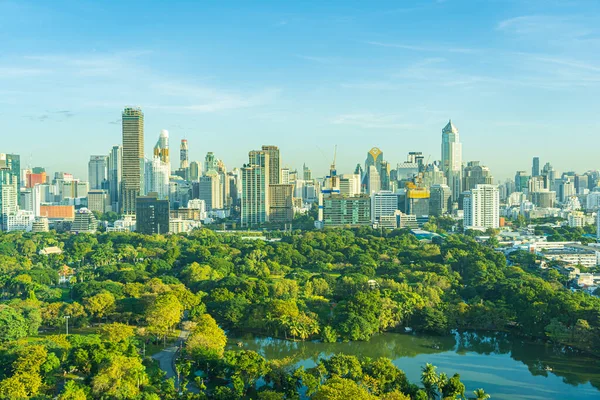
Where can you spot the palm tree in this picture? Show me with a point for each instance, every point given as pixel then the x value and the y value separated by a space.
pixel 429 378
pixel 480 394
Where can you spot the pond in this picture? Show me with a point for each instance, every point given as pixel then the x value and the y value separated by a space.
pixel 507 367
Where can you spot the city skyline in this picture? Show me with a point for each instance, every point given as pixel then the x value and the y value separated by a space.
pixel 520 75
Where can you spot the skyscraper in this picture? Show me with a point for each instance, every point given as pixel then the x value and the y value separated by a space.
pixel 133 158
pixel 115 161
pixel 535 167
pixel 452 159
pixel 482 207
pixel 274 164
pixel 161 149
pixel 373 180
pixel 194 171
pixel 97 172
pixel 255 189
pixel 439 200
pixel 374 159
pixel 183 155
pixel 475 174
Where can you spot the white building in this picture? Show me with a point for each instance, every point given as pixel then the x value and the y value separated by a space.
pixel 593 201
pixel 452 159
pixel 157 177
pixel 383 203
pixel 127 224
pixel 482 207
pixel 20 221
pixel 374 182
pixel 350 184
pixel 576 219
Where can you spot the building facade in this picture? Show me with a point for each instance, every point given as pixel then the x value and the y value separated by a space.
pixel 132 174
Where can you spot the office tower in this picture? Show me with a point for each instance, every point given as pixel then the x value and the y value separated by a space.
pixel 97 171
pixel 9 194
pixel 384 175
pixel 255 189
pixel 281 203
pixel 374 159
pixel 306 173
pixel 373 180
pixel 161 148
pixel 14 163
pixel 350 184
pixel 285 176
pixel 115 159
pixel 31 199
pixel 521 181
pixel 132 175
pixel 536 184
pixel 581 184
pixel 432 175
pixel 416 157
pixel 475 174
pixel 211 162
pixel 98 200
pixel 440 199
pixel 274 164
pixel 84 222
pixel 194 171
pixel 33 179
pixel 152 215
pixel 566 189
pixel 209 190
pixel 341 210
pixel 482 207
pixel 543 198
pixel 535 167
pixel 417 200
pixel 183 155
pixel 452 159
pixel 383 203
pixel 407 170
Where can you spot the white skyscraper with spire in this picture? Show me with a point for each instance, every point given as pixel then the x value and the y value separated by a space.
pixel 452 159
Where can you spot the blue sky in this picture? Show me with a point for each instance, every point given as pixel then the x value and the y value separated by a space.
pixel 518 78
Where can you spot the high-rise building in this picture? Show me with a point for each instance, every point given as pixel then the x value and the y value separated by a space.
pixel 97 172
pixel 132 175
pixel 374 159
pixel 475 174
pixel 274 164
pixel 285 176
pixel 535 167
pixel 84 222
pixel 161 149
pixel 452 159
pixel 152 215
pixel 14 163
pixel 209 190
pixel 255 189
pixel 194 171
pixel 439 200
pixel 281 203
pixel 482 207
pixel 521 181
pixel 98 200
pixel 115 160
pixel 417 200
pixel 350 184
pixel 373 180
pixel 341 210
pixel 306 173
pixel 35 179
pixel 184 162
pixel 383 204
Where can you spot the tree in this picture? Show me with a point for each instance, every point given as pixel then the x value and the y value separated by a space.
pixel 164 313
pixel 480 394
pixel 337 388
pixel 246 367
pixel 73 391
pixel 119 377
pixel 100 305
pixel 12 324
pixel 117 332
pixel 429 379
pixel 453 388
pixel 207 341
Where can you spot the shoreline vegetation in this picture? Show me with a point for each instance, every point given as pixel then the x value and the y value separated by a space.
pixel 332 285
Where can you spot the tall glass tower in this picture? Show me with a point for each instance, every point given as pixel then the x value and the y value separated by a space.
pixel 452 159
pixel 133 158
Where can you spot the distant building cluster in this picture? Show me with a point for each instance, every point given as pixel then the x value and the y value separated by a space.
pixel 146 194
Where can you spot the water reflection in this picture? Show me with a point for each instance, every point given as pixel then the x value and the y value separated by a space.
pixel 507 366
